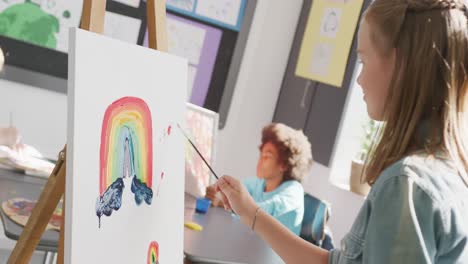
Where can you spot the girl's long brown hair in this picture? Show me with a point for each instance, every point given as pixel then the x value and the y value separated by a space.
pixel 429 85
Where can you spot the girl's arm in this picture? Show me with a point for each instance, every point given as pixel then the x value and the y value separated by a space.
pixel 291 248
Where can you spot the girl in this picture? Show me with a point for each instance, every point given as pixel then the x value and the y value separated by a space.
pixel 414 77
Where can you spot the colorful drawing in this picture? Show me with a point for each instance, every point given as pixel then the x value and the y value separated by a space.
pixel 186 5
pixel 153 253
pixel 201 127
pixel 115 142
pixel 20 209
pixel 126 152
pixel 41 22
pixel 28 22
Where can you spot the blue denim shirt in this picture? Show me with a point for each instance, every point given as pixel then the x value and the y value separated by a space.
pixel 416 212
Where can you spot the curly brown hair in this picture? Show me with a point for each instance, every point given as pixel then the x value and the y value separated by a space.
pixel 294 149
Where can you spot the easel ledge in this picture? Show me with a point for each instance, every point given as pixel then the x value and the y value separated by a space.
pixel 92 20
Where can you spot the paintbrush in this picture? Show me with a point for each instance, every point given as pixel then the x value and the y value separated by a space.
pixel 199 154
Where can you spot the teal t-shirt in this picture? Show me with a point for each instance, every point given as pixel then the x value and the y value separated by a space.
pixel 285 203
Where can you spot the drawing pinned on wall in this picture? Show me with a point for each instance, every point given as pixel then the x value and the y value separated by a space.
pixel 122 27
pixel 43 23
pixel 185 40
pixel 153 253
pixel 125 153
pixel 226 11
pixel 186 5
pixel 227 14
pixel 328 40
pixel 199 44
pixel 330 22
pixel 321 59
pixel 202 126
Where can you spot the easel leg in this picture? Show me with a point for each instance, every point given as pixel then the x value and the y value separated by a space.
pixel 37 223
pixel 61 245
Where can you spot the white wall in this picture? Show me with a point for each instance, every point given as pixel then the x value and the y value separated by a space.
pixel 41 115
pixel 344 204
pixel 258 85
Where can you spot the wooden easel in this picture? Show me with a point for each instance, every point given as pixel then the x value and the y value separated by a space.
pixel 92 20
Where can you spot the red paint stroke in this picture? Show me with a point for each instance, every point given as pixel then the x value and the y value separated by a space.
pixel 153 253
pixel 159 186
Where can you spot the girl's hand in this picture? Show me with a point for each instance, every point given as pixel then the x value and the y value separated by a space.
pixel 236 197
pixel 211 194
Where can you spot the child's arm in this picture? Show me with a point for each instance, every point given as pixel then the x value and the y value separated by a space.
pixel 291 248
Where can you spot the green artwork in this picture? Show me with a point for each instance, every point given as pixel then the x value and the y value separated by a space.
pixel 43 23
pixel 28 22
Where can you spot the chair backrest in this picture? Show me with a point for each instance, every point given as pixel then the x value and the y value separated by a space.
pixel 316 214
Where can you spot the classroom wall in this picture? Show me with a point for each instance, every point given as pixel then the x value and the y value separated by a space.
pixel 254 102
pixel 258 85
pixel 41 115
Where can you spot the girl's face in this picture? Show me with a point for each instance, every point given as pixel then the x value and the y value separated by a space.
pixel 269 165
pixel 376 73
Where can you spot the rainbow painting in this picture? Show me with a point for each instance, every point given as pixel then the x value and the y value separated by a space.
pixel 126 153
pixel 153 253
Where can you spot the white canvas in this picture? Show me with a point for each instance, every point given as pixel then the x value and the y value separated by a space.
pixel 103 71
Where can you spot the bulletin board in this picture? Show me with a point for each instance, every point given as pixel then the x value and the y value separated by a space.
pixel 222 25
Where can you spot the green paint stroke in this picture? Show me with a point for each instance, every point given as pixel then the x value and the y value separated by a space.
pixel 66 14
pixel 27 22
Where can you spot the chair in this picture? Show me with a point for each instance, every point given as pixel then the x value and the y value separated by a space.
pixel 314 229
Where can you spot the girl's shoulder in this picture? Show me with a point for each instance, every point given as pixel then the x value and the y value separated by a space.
pixel 432 174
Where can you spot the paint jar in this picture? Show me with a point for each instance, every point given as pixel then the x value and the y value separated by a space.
pixel 203 204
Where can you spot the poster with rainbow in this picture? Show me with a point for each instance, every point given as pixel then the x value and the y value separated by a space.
pixel 125 166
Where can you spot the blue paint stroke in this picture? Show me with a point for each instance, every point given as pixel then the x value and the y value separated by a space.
pixel 141 191
pixel 110 200
pixel 126 152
